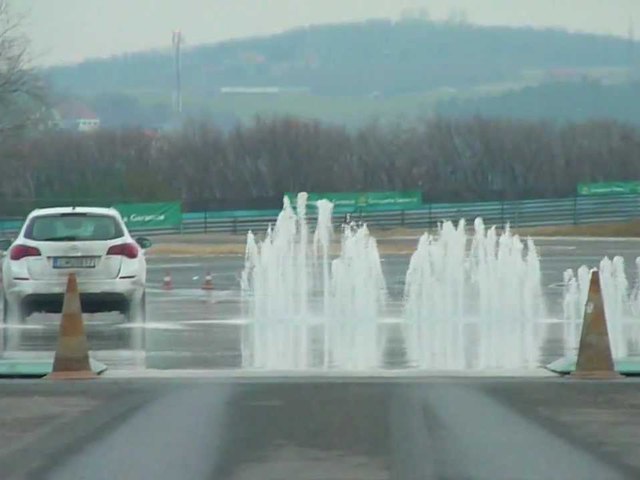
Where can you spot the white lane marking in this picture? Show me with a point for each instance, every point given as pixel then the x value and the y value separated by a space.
pixel 208 256
pixel 584 239
pixel 314 322
pixel 193 292
pixel 235 321
pixel 408 375
pixel 15 326
pixel 175 299
pixel 265 403
pixel 572 258
pixel 154 326
pixel 159 266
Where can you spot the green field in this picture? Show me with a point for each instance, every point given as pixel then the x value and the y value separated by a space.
pixel 346 110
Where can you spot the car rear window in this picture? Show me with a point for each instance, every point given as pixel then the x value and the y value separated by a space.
pixel 73 227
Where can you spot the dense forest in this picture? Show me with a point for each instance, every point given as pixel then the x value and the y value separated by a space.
pixel 554 101
pixel 352 59
pixel 252 166
pixel 564 102
pixel 352 73
pixel 450 157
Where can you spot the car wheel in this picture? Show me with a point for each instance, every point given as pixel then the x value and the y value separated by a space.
pixel 3 327
pixel 137 311
pixel 12 312
pixel 5 310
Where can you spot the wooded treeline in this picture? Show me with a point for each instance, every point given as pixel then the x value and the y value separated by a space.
pixel 383 56
pixel 452 160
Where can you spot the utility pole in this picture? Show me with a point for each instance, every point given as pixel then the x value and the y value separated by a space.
pixel 176 40
pixel 632 49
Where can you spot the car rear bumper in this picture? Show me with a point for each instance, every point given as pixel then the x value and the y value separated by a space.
pixel 91 303
pixel 95 296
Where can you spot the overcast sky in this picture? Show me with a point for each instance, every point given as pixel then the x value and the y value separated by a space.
pixel 65 31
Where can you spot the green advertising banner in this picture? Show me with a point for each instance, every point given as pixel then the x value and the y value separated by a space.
pixel 608 188
pixel 140 216
pixel 364 200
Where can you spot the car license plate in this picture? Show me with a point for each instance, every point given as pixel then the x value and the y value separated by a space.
pixel 74 262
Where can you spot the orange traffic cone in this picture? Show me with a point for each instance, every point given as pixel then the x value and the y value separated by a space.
pixel 72 354
pixel 594 354
pixel 167 283
pixel 208 282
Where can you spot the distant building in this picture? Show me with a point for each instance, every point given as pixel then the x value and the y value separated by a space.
pixel 250 90
pixel 266 90
pixel 564 75
pixel 74 115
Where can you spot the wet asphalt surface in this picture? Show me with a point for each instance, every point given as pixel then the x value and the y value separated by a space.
pixel 305 428
pixel 188 328
pixel 444 429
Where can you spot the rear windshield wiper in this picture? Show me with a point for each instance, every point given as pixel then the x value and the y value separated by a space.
pixel 60 239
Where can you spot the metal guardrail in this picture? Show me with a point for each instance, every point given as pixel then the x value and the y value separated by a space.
pixel 526 213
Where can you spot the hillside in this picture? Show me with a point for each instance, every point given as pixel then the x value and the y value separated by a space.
pixel 352 59
pixel 564 102
pixel 364 66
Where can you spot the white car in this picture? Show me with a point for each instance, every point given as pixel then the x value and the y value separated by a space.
pixel 93 243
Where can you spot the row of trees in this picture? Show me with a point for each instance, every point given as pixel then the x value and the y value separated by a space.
pixel 563 101
pixel 252 166
pixel 21 90
pixel 354 59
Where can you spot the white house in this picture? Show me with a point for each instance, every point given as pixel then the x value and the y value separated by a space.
pixel 74 115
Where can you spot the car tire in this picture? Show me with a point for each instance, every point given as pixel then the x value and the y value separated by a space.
pixel 137 311
pixel 3 327
pixel 5 310
pixel 11 311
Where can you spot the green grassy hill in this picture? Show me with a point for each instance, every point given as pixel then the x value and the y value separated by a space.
pixel 345 73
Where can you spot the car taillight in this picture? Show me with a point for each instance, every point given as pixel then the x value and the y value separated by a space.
pixel 18 252
pixel 129 250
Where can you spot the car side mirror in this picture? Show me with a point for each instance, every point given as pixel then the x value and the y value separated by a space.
pixel 5 244
pixel 144 243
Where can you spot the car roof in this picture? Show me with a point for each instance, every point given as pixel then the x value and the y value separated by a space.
pixel 60 210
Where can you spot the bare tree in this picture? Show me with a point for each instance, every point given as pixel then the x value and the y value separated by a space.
pixel 450 160
pixel 21 91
